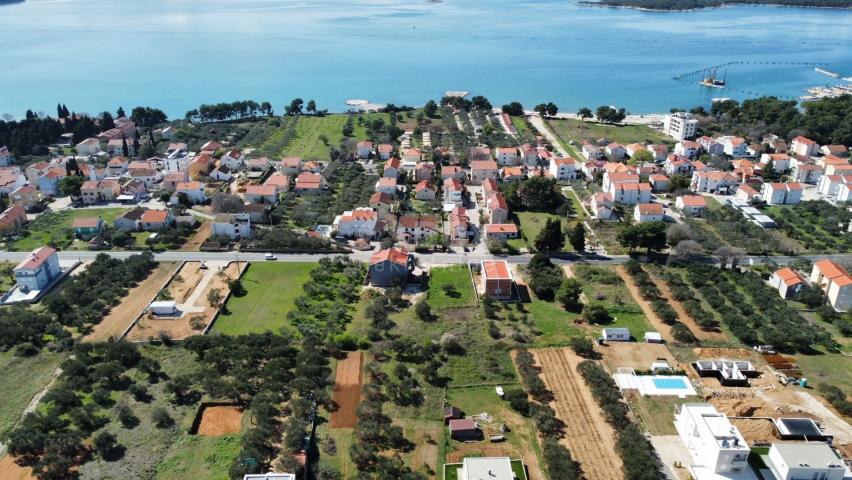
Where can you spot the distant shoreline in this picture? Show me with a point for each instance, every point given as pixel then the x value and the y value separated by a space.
pixel 9 2
pixel 603 4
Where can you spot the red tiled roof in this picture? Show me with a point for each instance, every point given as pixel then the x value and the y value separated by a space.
pixel 394 255
pixel 36 258
pixel 86 222
pixel 650 208
pixel 693 201
pixel 155 216
pixel 496 270
pixel 501 228
pixel 790 277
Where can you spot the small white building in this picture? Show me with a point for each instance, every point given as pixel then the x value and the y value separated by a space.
pixel 269 476
pixel 806 461
pixel 485 468
pixel 787 281
pixel 37 270
pixel 648 212
pixel 163 308
pixel 232 225
pixel 615 334
pixel 563 168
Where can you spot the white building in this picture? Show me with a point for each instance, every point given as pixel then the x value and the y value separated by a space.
pixel 787 281
pixel 37 270
pixel 194 191
pixel 680 125
pixel 734 146
pixel 630 193
pixel 617 334
pixel 358 223
pixel 485 468
pixel 835 281
pixel 712 182
pixel 163 307
pixel 805 461
pixel 269 476
pixel 5 157
pixel 563 168
pixel 648 212
pixel 89 146
pixel 804 146
pixel 232 225
pixel 714 444
pixel 775 193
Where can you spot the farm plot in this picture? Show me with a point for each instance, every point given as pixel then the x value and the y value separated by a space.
pixel 685 318
pixel 137 298
pixel 347 391
pixel 602 285
pixel 665 330
pixel 198 294
pixel 587 435
pixel 220 420
pixel 9 470
pixel 637 356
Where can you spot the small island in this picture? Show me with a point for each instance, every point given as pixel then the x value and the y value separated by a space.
pixel 666 5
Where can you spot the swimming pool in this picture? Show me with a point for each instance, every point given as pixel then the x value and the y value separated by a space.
pixel 669 383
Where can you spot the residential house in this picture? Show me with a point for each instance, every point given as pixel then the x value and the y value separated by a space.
pixel 634 148
pixel 290 165
pixel 677 165
pixel 828 185
pixel 659 183
pixel 424 191
pixel 482 169
pixel 615 152
pixel 392 168
pixel 170 181
pixel 13 218
pixel 835 169
pixel 364 149
pixel 602 206
pixel 117 146
pixel 454 191
pixel 459 224
pixel 130 220
pixel 221 174
pixel 788 282
pixel 412 156
pixel 155 220
pixel 592 152
pixel 416 228
pixel 424 171
pixel 630 193
pixel 26 197
pixel 361 222
pixel 715 446
pixel 775 193
pixel 691 204
pixel 48 183
pixel 385 151
pixel 145 171
pixel 6 158
pixel 390 267
pixel 660 151
pixel 279 181
pixel 309 183
pixel 498 209
pixel 94 191
pixel 734 146
pixel 201 166
pixel 489 186
pixel 563 168
pixel 382 203
pixel 87 227
pixel 835 281
pixel 501 231
pixel 712 182
pixel 38 270
pixel 711 145
pixel 233 159
pixel 117 166
pixel 478 153
pixel 611 178
pixel 513 174
pixel 648 212
pixel 10 181
pixel 453 171
pixel 804 146
pixel 680 125
pixel 497 279
pixel 806 461
pixel 808 173
pixel 780 161
pixel 267 194
pixel 34 171
pixel 168 133
pixel 124 128
pixel 485 468
pixel 835 150
pixel 507 156
pixel 387 185
pixel 233 226
pixel 688 149
pixel 135 188
pixel 88 147
pixel 193 190
pixel 530 155
pixel 746 193
pixel 211 147
pixel 258 164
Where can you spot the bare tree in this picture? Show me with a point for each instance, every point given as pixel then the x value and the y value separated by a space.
pixel 724 253
pixel 226 203
pixel 688 249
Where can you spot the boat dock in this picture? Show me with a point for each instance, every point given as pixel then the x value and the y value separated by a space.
pixel 826 72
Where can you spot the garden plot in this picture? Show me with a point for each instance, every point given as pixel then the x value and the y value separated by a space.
pixel 134 303
pixel 220 420
pixel 9 470
pixel 198 294
pixel 347 391
pixel 588 436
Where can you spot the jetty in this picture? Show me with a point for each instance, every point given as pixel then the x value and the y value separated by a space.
pixel 827 72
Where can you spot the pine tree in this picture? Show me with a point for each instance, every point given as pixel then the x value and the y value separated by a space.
pixel 578 237
pixel 551 238
pixel 124 150
pixel 120 112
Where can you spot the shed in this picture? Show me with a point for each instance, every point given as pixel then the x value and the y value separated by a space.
pixel 617 334
pixel 464 429
pixel 451 413
pixel 166 307
pixel 653 337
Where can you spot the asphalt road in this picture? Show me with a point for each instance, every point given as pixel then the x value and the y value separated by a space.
pixel 426 259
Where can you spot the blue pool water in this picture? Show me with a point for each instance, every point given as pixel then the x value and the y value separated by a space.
pixel 669 383
pixel 96 55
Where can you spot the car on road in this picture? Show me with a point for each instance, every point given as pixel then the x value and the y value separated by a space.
pixel 270 256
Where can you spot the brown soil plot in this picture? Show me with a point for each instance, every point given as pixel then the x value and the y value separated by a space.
pixel 9 470
pixel 185 281
pixel 637 356
pixel 194 242
pixel 220 420
pixel 684 317
pixel 131 305
pixel 347 391
pixel 665 330
pixel 587 435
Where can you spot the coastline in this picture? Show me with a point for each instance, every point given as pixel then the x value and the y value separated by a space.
pixel 588 3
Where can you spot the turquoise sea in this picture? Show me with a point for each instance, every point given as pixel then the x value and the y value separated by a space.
pixel 175 54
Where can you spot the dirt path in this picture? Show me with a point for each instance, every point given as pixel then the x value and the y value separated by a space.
pixel 347 391
pixel 193 243
pixel 587 435
pixel 132 304
pixel 665 330
pixel 684 317
pixel 9 470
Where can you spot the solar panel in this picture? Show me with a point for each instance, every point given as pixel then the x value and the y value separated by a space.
pixel 801 427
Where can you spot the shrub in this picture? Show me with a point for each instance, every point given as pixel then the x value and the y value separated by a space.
pixel 161 418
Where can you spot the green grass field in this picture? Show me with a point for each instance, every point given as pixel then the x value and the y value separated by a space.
pixel 20 379
pixel 195 456
pixel 461 295
pixel 7 281
pixel 576 130
pixel 271 289
pixel 533 222
pixel 554 323
pixel 55 227
pixel 314 136
pixel 614 296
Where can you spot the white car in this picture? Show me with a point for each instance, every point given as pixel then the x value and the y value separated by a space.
pixel 270 256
